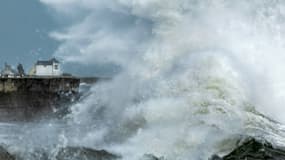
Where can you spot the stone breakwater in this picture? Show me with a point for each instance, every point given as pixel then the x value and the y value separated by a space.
pixel 252 149
pixel 66 153
pixel 26 98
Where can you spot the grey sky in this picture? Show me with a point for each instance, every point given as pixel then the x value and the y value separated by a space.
pixel 24 37
pixel 24 29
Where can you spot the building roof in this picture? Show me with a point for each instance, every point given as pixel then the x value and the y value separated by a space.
pixel 49 62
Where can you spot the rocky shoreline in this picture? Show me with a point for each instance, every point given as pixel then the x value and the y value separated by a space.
pixel 66 153
pixel 251 149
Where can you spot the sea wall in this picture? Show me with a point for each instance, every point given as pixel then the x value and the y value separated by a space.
pixel 39 84
pixel 92 80
pixel 28 98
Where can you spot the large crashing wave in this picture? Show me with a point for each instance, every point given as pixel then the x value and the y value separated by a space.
pixel 195 74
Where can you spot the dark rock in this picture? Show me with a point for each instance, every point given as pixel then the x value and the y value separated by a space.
pixel 82 153
pixel 5 155
pixel 151 157
pixel 36 154
pixel 215 157
pixel 254 150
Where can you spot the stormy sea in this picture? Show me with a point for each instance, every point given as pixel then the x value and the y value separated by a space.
pixel 194 78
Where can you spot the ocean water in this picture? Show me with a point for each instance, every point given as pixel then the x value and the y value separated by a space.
pixel 195 77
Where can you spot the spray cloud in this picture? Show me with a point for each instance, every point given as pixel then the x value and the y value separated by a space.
pixel 193 72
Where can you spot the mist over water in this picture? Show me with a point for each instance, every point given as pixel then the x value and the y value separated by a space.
pixel 196 75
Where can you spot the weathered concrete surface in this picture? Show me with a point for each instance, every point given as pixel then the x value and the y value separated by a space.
pixel 31 97
pixel 254 150
pixel 39 84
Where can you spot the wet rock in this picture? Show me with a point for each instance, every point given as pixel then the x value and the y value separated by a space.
pixel 37 154
pixel 216 157
pixel 254 150
pixel 151 157
pixel 82 153
pixel 5 155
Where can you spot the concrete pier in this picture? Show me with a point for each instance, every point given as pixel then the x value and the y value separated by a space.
pixel 42 84
pixel 26 98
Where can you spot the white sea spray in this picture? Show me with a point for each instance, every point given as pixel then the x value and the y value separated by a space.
pixel 195 74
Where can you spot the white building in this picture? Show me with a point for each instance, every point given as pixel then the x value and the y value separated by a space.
pixel 47 68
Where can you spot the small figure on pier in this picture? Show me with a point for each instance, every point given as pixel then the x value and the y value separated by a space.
pixel 21 70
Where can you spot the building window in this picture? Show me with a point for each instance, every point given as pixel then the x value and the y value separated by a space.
pixel 56 67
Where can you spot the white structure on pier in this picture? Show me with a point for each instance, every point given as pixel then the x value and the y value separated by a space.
pixel 8 71
pixel 47 68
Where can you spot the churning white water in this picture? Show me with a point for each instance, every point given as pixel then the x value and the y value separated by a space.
pixel 196 75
